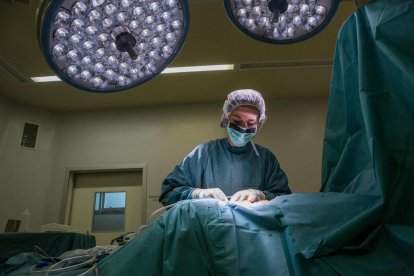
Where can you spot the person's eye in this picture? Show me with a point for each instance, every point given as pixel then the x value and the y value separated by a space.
pixel 237 122
pixel 251 125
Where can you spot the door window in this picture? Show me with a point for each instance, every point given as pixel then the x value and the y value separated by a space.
pixel 109 212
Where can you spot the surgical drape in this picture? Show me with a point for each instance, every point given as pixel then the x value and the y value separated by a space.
pixel 362 220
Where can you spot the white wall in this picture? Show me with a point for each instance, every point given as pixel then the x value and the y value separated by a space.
pixel 157 136
pixel 25 174
pixel 294 132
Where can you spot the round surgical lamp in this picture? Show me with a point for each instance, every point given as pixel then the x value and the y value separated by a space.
pixel 112 45
pixel 280 21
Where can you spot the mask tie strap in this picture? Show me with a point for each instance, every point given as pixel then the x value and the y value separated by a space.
pixel 254 147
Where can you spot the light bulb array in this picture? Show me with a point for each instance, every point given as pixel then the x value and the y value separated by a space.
pixel 112 45
pixel 280 21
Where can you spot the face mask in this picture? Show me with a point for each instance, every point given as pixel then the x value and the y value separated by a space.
pixel 240 136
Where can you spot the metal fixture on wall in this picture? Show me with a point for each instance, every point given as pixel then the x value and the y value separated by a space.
pixel 112 45
pixel 280 21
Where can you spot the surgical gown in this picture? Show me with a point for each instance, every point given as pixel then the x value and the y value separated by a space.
pixel 218 165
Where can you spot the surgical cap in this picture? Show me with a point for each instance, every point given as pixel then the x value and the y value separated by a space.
pixel 243 97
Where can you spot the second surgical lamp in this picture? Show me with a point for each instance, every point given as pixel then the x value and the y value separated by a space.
pixel 280 21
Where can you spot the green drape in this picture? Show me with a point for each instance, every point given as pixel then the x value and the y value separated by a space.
pixel 364 221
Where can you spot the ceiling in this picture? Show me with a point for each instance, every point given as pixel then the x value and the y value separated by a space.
pixel 296 70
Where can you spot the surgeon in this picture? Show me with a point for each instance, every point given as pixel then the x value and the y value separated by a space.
pixel 232 167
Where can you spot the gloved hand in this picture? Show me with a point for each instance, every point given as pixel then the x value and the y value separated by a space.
pixel 209 193
pixel 250 195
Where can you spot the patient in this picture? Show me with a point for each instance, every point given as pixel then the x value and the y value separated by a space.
pixel 204 237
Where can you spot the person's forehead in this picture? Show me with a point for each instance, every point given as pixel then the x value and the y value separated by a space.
pixel 245 111
pixel 247 106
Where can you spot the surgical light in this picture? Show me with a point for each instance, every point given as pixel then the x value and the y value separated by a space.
pixel 280 21
pixel 112 45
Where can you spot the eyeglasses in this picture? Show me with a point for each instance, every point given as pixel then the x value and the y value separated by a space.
pixel 242 129
pixel 243 124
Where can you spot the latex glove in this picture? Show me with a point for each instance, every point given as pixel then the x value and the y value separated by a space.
pixel 209 193
pixel 250 195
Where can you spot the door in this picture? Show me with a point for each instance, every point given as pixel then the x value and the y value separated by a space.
pixel 107 204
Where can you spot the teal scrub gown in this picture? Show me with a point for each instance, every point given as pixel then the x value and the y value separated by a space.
pixel 218 165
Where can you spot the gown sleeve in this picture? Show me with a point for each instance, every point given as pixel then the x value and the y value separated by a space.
pixel 275 180
pixel 185 177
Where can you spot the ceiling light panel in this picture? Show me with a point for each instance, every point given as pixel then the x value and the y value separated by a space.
pixel 202 68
